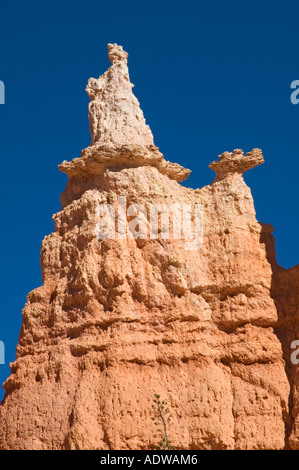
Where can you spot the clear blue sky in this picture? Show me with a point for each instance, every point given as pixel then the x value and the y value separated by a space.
pixel 210 76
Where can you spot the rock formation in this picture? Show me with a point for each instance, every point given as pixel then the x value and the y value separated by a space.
pixel 120 319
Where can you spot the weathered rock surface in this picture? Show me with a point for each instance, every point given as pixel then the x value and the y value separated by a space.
pixel 118 320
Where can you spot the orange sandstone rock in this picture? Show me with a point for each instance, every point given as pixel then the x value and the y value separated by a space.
pixel 117 320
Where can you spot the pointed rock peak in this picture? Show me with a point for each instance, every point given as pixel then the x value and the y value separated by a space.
pixel 116 53
pixel 120 135
pixel 115 116
pixel 236 162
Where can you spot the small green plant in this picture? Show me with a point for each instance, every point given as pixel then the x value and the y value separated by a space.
pixel 162 417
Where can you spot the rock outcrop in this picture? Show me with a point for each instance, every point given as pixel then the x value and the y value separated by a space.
pixel 118 319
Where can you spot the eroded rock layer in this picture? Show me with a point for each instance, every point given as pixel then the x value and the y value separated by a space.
pixel 118 320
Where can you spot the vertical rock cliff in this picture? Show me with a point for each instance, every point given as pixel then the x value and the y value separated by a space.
pixel 206 322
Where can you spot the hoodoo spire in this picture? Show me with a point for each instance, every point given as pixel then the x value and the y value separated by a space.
pixel 115 115
pixel 120 137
